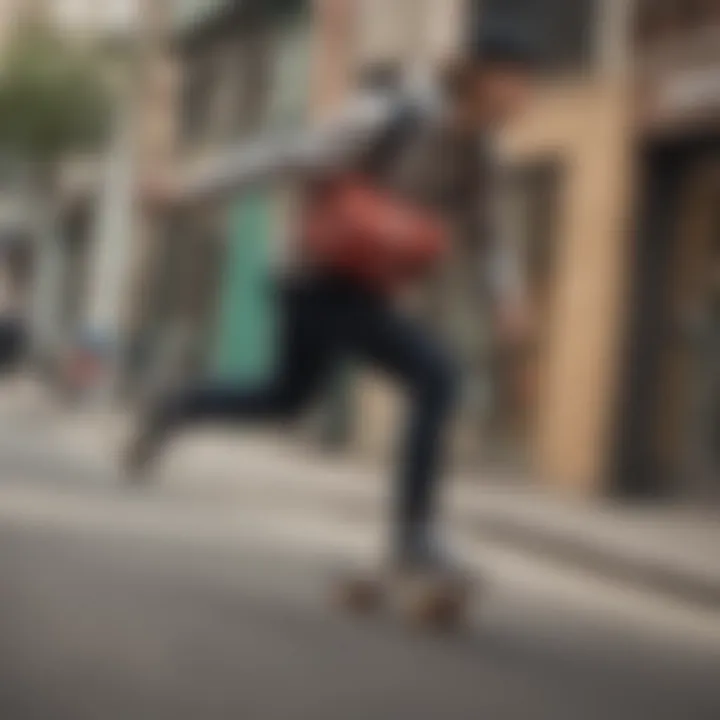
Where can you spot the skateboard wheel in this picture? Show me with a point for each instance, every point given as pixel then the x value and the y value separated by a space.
pixel 359 596
pixel 439 612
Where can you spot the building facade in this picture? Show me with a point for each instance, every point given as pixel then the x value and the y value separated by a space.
pixel 567 204
pixel 243 85
pixel 577 138
pixel 669 409
pixel 625 113
pixel 627 400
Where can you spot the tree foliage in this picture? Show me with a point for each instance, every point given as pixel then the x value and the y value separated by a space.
pixel 54 97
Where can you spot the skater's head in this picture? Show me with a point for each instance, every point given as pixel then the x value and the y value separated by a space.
pixel 491 84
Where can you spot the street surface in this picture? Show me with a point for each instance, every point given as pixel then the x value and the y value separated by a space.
pixel 200 601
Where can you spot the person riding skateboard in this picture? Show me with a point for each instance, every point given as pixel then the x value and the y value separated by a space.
pixel 429 145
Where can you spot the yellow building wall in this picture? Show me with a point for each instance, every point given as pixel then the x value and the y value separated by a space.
pixel 586 127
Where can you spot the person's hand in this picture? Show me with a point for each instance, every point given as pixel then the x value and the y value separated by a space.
pixel 516 335
pixel 160 191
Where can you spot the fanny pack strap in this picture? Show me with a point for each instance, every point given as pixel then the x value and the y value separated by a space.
pixel 391 141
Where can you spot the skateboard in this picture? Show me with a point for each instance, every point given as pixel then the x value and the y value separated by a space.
pixel 422 599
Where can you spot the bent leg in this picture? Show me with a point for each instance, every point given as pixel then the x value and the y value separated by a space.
pixel 280 399
pixel 404 350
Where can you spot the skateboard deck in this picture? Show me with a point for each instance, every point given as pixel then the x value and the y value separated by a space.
pixel 424 600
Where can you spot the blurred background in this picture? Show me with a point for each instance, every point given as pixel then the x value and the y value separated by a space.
pixel 598 448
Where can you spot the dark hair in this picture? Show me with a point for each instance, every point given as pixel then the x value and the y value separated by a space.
pixel 505 43
pixel 380 76
pixel 491 46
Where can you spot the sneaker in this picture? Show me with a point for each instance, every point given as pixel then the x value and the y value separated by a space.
pixel 145 446
pixel 153 428
pixel 423 554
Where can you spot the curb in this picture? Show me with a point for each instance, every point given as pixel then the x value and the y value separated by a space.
pixel 644 574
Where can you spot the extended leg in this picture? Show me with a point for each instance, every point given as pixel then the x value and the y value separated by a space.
pixel 309 350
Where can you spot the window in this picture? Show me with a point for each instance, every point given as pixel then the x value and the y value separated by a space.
pixel 562 29
pixel 291 74
pixel 532 208
pixel 247 70
pixel 657 20
pixel 380 76
pixel 267 68
pixel 694 14
pixel 200 85
pixel 535 189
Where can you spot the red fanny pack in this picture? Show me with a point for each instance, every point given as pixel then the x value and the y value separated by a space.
pixel 356 230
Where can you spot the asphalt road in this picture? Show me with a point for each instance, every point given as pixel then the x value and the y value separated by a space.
pixel 116 606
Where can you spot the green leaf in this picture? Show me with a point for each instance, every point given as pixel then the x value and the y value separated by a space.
pixel 54 97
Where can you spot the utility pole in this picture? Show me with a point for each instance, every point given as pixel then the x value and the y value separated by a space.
pixel 126 232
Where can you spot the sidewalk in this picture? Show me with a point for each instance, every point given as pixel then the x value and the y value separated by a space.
pixel 671 551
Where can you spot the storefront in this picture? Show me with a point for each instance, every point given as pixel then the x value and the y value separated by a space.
pixel 669 438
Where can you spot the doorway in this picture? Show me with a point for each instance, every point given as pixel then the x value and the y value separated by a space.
pixel 690 399
pixel 669 442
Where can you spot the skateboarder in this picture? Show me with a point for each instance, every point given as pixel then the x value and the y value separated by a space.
pixel 429 145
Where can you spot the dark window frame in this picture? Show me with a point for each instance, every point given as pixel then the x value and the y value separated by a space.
pixel 659 20
pixel 564 30
pixel 199 86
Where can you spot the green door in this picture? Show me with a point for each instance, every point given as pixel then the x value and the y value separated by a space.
pixel 244 348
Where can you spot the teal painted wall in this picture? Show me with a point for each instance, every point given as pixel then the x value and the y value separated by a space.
pixel 245 346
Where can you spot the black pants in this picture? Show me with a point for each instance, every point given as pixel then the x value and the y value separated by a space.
pixel 12 343
pixel 327 320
